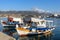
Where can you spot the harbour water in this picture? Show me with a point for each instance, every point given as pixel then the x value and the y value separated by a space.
pixel 54 35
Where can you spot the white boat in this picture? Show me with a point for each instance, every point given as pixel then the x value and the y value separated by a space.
pixel 37 26
pixel 10 23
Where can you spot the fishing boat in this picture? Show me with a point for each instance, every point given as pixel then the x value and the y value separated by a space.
pixel 10 23
pixel 35 26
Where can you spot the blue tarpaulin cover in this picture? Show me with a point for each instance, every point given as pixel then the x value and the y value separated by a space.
pixel 39 28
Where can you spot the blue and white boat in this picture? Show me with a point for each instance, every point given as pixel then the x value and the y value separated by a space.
pixel 35 26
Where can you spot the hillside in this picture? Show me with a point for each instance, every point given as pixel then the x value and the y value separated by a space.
pixel 19 13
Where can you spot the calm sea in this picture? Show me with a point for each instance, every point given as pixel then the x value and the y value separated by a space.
pixel 54 35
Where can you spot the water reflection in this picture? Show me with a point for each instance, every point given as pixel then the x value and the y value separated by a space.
pixel 46 36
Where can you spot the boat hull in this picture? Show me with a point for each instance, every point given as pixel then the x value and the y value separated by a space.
pixel 22 33
pixel 29 33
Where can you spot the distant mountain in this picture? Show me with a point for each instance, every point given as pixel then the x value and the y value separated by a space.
pixel 34 11
pixel 25 12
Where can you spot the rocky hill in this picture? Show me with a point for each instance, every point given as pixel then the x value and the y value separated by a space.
pixel 19 13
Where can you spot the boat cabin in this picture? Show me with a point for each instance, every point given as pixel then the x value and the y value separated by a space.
pixel 37 22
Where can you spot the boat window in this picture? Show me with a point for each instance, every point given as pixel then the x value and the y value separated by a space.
pixel 21 24
pixel 42 22
pixel 49 24
pixel 37 22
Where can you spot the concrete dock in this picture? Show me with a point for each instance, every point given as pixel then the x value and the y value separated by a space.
pixel 5 37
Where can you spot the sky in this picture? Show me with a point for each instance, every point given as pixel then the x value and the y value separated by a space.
pixel 51 5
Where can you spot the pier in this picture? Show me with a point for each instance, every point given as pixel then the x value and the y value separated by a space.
pixel 5 37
